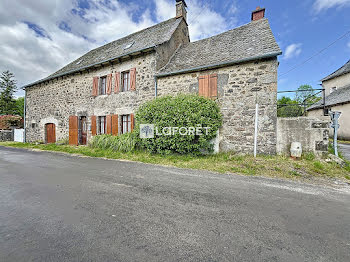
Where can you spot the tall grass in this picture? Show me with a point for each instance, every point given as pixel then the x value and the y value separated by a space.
pixel 121 143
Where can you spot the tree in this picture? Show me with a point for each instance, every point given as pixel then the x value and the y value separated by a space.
pixel 287 107
pixel 7 90
pixel 20 106
pixel 306 95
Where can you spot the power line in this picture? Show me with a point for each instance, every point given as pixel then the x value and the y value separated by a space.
pixel 319 52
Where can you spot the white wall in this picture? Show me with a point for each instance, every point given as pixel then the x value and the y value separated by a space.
pixel 337 82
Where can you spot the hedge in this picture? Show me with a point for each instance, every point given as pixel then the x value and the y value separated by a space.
pixel 188 111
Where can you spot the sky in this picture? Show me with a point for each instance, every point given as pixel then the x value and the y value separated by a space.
pixel 39 37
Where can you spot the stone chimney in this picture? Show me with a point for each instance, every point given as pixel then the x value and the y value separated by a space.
pixel 181 9
pixel 258 14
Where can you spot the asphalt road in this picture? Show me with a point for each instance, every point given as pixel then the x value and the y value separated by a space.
pixel 61 208
pixel 345 149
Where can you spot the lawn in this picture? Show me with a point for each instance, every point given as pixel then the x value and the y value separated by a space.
pixel 308 167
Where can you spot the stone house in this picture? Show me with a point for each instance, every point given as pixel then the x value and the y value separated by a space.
pixel 99 92
pixel 337 98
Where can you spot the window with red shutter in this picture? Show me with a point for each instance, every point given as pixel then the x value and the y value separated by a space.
pixel 207 86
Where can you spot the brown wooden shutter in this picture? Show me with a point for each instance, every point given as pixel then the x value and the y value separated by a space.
pixel 95 86
pixel 109 84
pixel 133 79
pixel 213 86
pixel 109 125
pixel 73 130
pixel 93 126
pixel 114 125
pixel 132 120
pixel 117 82
pixel 203 86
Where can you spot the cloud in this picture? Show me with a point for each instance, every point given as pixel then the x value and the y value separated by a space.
pixel 321 5
pixel 292 51
pixel 203 20
pixel 349 45
pixel 42 36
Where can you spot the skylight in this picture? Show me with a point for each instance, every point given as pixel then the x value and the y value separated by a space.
pixel 129 45
pixel 79 61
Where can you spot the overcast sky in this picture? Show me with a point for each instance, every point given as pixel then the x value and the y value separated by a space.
pixel 39 37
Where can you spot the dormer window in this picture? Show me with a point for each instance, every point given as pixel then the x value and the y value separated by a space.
pixel 333 89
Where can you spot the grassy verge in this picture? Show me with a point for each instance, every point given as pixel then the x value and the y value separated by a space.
pixel 340 141
pixel 270 166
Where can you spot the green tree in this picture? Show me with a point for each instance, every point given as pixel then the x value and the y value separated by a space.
pixel 20 106
pixel 306 95
pixel 287 107
pixel 7 90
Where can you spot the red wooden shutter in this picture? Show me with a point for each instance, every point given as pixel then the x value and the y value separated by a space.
pixel 133 79
pixel 93 126
pixel 109 125
pixel 95 86
pixel 117 82
pixel 213 86
pixel 203 86
pixel 132 122
pixel 114 125
pixel 109 84
pixel 73 130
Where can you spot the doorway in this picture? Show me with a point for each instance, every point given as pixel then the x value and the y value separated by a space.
pixel 82 130
pixel 50 133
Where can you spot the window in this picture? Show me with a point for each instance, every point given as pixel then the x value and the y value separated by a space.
pixel 102 125
pixel 125 81
pixel 126 124
pixel 208 86
pixel 333 89
pixel 102 85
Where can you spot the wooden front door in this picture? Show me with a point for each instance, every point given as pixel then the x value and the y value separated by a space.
pixel 50 133
pixel 82 130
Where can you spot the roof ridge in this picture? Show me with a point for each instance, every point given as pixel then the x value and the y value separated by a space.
pixel 228 31
pixel 330 76
pixel 132 34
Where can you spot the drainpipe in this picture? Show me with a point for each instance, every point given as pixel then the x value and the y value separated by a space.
pixel 24 117
pixel 155 86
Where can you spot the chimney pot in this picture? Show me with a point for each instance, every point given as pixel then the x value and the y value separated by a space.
pixel 258 13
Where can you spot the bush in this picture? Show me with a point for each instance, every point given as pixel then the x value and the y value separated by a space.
pixel 123 143
pixel 8 121
pixel 180 111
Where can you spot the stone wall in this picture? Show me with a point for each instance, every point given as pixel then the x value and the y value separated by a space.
pixel 55 101
pixel 6 135
pixel 312 133
pixel 237 102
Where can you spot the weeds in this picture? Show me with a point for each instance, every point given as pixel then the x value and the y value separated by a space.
pixel 269 166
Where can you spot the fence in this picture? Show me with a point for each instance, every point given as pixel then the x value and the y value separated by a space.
pixel 295 108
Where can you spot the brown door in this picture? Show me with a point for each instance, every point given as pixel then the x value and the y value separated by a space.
pixel 50 133
pixel 82 130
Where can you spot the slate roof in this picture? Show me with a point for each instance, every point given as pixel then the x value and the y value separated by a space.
pixel 340 96
pixel 248 42
pixel 341 71
pixel 142 40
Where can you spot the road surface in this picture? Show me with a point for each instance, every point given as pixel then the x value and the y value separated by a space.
pixel 55 207
pixel 345 150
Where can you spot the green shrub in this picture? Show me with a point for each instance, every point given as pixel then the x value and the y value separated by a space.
pixel 123 143
pixel 181 111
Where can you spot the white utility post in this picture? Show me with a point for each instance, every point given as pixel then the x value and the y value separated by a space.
pixel 256 89
pixel 256 129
